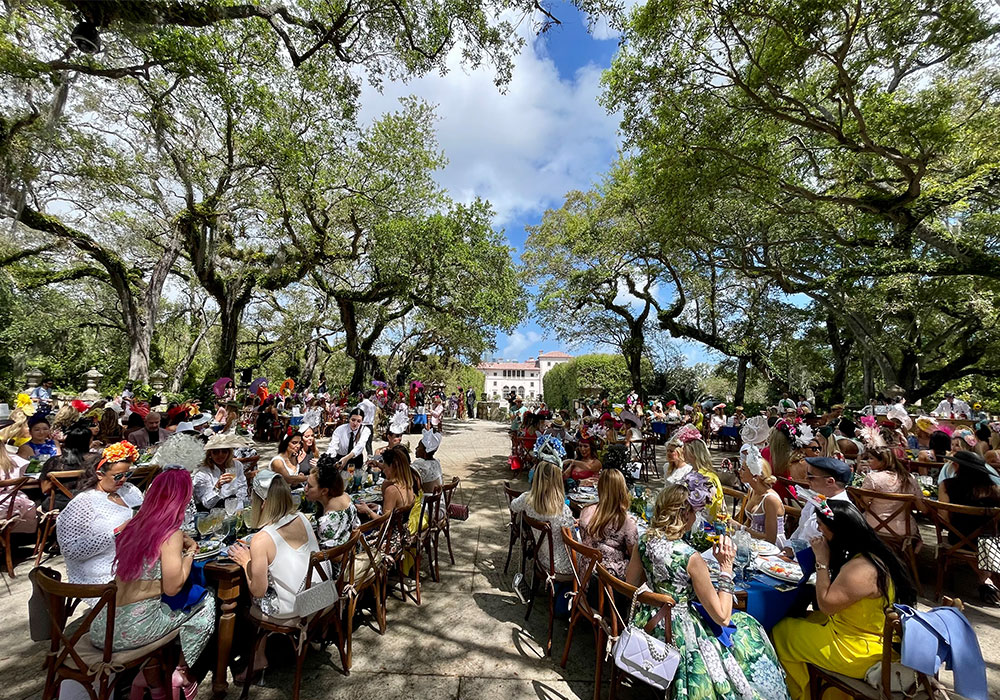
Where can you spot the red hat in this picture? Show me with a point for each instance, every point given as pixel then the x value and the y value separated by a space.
pixel 671 402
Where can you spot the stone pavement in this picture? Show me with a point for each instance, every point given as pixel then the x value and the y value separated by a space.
pixel 468 640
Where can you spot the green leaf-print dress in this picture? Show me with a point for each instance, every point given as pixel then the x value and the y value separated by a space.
pixel 747 670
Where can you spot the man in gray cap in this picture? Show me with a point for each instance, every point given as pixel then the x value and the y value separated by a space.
pixel 828 477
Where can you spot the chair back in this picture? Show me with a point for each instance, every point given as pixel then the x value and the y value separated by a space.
pixel 9 489
pixel 941 513
pixel 543 539
pixel 61 599
pixel 325 561
pixel 611 584
pixel 141 477
pixel 61 481
pixel 448 494
pixel 374 538
pixel 792 516
pixel 891 526
pixel 583 559
pixel 739 504
pixel 510 492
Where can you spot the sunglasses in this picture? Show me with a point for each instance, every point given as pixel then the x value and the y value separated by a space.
pixel 814 448
pixel 119 478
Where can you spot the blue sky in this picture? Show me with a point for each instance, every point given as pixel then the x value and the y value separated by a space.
pixel 524 149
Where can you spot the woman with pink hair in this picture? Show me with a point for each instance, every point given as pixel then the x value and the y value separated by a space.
pixel 154 558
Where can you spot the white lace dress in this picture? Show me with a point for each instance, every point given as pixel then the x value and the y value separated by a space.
pixel 85 530
pixel 563 519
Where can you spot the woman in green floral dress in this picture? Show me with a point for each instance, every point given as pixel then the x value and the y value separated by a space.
pixel 745 669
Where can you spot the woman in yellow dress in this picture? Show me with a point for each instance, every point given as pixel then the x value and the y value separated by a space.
pixel 857 578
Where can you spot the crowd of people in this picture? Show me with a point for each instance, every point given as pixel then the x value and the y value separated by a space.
pixel 144 539
pixel 791 460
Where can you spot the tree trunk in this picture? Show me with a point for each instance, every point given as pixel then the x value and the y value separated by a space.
pixel 741 380
pixel 231 310
pixel 632 351
pixel 140 337
pixel 868 378
pixel 312 357
pixel 182 367
pixel 840 346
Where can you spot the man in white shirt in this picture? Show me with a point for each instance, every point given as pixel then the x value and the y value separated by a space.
pixel 828 477
pixel 368 420
pixel 787 403
pixel 348 441
pixel 804 406
pixel 952 406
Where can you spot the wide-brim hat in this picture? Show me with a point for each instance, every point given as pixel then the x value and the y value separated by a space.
pixel 629 417
pixel 226 441
pixel 200 419
pixel 671 402
pixel 926 424
pixel 558 422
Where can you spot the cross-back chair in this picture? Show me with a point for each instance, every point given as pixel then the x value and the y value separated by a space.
pixel 898 528
pixel 953 545
pixel 543 541
pixel 584 560
pixel 60 483
pixel 9 488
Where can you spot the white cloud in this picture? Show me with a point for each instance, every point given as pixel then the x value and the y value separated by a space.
pixel 523 149
pixel 518 342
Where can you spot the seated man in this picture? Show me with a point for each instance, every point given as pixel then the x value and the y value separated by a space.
pixel 151 433
pixel 828 477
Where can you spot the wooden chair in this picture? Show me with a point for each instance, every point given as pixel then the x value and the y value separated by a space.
pixel 792 516
pixel 544 542
pixel 953 545
pixel 514 525
pixel 60 482
pixel 610 585
pixel 9 488
pixel 738 508
pixel 71 653
pixel 301 630
pixel 584 560
pixel 898 529
pixel 443 524
pixel 821 680
pixel 647 457
pixel 373 571
pixel 141 477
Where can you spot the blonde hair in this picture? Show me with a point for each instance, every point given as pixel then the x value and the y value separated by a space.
pixel 671 512
pixel 277 505
pixel 766 477
pixel 209 463
pixel 697 455
pixel 15 429
pixel 547 496
pixel 6 463
pixel 65 417
pixel 612 509
pixel 781 452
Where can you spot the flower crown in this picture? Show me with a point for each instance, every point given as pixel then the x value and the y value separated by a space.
pixel 701 491
pixel 687 433
pixel 797 432
pixel 123 451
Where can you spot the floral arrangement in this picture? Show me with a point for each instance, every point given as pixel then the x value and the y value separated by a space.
pixel 25 404
pixel 819 500
pixel 798 433
pixel 123 451
pixel 701 491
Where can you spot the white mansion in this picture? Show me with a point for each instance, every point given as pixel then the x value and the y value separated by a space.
pixel 523 377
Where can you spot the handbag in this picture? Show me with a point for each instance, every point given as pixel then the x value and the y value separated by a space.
pixel 319 596
pixel 458 511
pixel 901 679
pixel 643 656
pixel 988 553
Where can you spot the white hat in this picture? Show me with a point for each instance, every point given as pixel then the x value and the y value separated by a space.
pixel 185 426
pixel 399 424
pixel 226 441
pixel 750 458
pixel 262 482
pixel 755 430
pixel 200 420
pixel 431 441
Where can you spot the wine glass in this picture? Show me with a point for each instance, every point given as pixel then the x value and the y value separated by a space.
pixel 204 524
pixel 232 505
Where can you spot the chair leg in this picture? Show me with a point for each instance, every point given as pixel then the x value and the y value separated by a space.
pixel 552 619
pixel 451 555
pixel 598 661
pixel 349 631
pixel 940 579
pixel 531 598
pixel 248 678
pixel 569 634
pixel 912 556
pixel 299 660
pixel 9 553
pixel 510 547
pixel 40 546
pixel 615 680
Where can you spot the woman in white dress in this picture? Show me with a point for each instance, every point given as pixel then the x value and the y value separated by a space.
pixel 286 462
pixel 220 476
pixel 86 527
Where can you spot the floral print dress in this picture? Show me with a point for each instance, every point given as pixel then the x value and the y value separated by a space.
pixel 748 669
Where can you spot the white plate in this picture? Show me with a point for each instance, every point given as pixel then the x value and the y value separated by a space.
pixel 780 569
pixel 764 548
pixel 207 555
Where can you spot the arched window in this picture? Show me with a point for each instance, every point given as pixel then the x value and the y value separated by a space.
pixel 520 391
pixel 506 390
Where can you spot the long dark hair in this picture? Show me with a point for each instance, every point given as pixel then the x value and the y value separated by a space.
pixel 939 443
pixel 329 476
pixel 286 440
pixel 853 536
pixel 78 437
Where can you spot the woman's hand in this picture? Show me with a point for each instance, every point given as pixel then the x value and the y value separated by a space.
pixel 725 553
pixel 224 479
pixel 188 543
pixel 240 554
pixel 821 548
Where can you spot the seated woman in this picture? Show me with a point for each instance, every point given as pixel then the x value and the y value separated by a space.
pixel 426 466
pixel 41 445
pixel 857 577
pixel 584 469
pixel 676 467
pixel 309 454
pixel 708 669
pixel 547 501
pixel 697 454
pixel 763 506
pixel 155 558
pixel 286 462
pixel 938 445
pixel 86 527
pixel 399 487
pixel 336 514
pixel 25 512
pixel 277 561
pixel 607 525
pixel 977 484
pixel 220 476
pixel 530 430
pixel 888 475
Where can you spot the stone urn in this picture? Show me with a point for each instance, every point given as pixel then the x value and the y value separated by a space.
pixel 92 378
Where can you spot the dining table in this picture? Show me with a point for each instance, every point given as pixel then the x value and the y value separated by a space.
pixel 229 581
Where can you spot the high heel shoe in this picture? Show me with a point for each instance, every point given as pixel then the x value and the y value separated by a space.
pixel 257 678
pixel 139 687
pixel 183 688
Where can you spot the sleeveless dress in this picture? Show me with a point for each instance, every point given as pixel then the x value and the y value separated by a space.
pixel 286 574
pixel 748 670
pixel 848 642
pixel 758 522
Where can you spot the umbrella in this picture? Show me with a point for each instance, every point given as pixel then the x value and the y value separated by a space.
pixel 219 388
pixel 257 383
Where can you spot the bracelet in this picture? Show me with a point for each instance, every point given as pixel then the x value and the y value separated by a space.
pixel 187 553
pixel 726 587
pixel 726 576
pixel 822 567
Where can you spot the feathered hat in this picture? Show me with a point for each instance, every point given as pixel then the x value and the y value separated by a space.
pixel 755 430
pixel 186 450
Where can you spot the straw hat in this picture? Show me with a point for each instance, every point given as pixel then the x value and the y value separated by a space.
pixel 226 441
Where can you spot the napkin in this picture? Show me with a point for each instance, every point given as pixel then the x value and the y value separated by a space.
pixel 192 592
